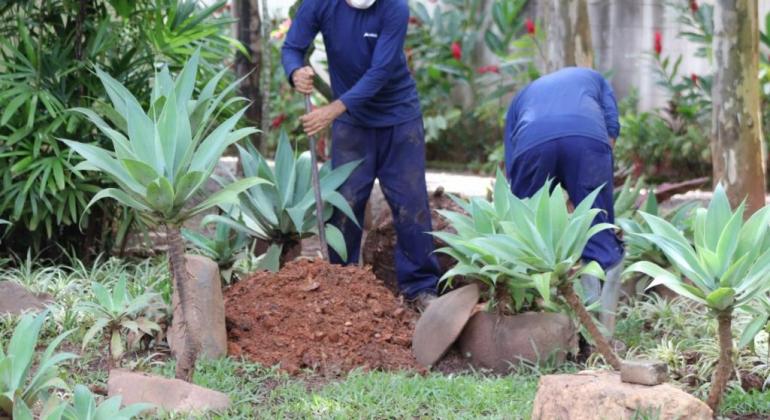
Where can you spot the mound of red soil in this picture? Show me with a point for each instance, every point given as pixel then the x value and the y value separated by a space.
pixel 314 315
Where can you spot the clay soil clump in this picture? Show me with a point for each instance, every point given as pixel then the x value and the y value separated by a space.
pixel 313 315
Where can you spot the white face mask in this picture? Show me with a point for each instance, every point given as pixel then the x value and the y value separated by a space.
pixel 361 4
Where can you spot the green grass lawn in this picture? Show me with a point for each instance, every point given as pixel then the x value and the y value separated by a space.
pixel 257 392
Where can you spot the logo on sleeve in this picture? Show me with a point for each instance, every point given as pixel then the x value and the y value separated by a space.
pixel 370 35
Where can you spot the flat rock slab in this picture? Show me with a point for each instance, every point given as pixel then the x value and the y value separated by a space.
pixel 643 372
pixel 593 395
pixel 15 299
pixel 442 322
pixel 168 394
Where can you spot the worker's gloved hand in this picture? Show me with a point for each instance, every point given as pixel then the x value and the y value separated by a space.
pixel 303 80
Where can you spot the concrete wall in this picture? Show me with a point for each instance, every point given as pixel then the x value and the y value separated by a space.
pixel 623 33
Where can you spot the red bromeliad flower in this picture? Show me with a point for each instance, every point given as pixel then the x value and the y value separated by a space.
pixel 488 69
pixel 457 51
pixel 694 78
pixel 658 43
pixel 694 6
pixel 277 121
pixel 530 25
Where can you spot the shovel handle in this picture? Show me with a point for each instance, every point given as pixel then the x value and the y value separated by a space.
pixel 316 183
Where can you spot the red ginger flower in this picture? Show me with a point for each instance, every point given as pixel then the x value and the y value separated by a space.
pixel 658 43
pixel 457 51
pixel 530 25
pixel 277 121
pixel 488 69
pixel 694 6
pixel 694 78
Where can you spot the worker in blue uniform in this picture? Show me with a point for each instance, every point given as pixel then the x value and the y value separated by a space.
pixel 376 118
pixel 563 126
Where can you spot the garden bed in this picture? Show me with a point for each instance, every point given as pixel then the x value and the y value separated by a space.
pixel 317 316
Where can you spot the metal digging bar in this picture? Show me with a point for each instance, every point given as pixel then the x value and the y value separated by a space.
pixel 319 205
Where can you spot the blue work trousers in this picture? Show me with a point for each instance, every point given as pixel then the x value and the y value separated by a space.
pixel 396 157
pixel 580 165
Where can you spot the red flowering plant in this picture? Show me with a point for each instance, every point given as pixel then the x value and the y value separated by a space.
pixel 690 93
pixel 442 48
pixel 674 137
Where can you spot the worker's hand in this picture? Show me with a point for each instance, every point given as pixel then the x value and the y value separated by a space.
pixel 319 119
pixel 303 80
pixel 612 143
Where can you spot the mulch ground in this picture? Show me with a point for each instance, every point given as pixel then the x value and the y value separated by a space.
pixel 327 318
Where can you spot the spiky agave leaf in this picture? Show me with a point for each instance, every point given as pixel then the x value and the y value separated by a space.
pixel 285 207
pixel 727 261
pixel 531 244
pixel 166 155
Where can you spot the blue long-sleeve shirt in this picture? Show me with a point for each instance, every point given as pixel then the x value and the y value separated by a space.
pixel 573 101
pixel 365 51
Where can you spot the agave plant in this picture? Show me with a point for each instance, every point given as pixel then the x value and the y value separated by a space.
pixel 478 219
pixel 283 210
pixel 21 387
pixel 162 158
pixel 119 313
pixel 640 249
pixel 538 244
pixel 225 247
pixel 726 265
pixel 84 407
pixel 626 197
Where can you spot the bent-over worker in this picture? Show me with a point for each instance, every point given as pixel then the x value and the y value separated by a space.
pixel 563 126
pixel 375 118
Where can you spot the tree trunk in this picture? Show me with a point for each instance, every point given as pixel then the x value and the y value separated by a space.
pixel 573 300
pixel 185 365
pixel 568 34
pixel 725 366
pixel 250 35
pixel 738 154
pixel 266 77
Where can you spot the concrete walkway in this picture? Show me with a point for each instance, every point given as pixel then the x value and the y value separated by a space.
pixel 463 184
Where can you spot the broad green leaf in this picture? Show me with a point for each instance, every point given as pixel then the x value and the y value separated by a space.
pixel 271 259
pixel 160 196
pixel 721 299
pixel 228 194
pixel 752 329
pixel 664 277
pixel 98 326
pixel 104 161
pixel 285 169
pixel 336 241
pixel 337 200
